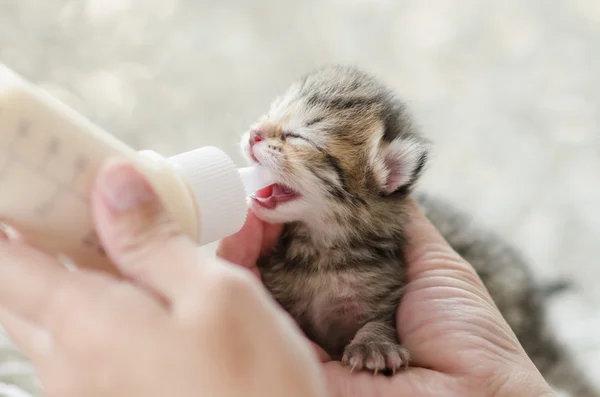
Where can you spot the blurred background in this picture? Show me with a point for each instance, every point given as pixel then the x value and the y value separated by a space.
pixel 509 92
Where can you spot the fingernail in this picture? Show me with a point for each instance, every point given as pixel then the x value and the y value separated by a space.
pixel 3 232
pixel 124 188
pixel 7 233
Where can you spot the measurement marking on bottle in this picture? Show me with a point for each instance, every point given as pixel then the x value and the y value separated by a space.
pixel 10 149
pixel 51 151
pixel 45 208
pixel 53 148
pixel 81 164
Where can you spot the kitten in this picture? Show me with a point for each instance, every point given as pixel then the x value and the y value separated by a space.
pixel 348 156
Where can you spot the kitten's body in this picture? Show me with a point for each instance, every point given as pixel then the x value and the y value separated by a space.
pixel 333 290
pixel 347 157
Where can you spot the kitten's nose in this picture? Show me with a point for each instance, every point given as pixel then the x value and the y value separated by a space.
pixel 255 137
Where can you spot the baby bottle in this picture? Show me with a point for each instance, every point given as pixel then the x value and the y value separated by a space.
pixel 50 155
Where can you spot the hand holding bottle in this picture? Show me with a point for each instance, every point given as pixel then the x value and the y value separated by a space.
pixel 181 325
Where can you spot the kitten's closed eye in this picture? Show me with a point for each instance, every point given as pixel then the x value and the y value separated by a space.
pixel 296 138
pixel 289 134
pixel 334 145
pixel 315 121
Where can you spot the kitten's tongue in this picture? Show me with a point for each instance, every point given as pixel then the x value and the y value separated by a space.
pixel 265 192
pixel 273 195
pixel 275 190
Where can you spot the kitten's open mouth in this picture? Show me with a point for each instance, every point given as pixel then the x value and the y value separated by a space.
pixel 273 195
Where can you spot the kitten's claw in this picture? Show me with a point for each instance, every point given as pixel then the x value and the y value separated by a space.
pixel 375 357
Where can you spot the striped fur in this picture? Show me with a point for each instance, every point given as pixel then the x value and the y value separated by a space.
pixel 347 145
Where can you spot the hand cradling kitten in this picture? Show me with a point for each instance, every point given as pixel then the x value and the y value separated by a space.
pixel 347 157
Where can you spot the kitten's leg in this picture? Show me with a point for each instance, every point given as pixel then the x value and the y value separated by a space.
pixel 375 347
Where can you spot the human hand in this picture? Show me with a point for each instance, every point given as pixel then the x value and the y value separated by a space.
pixel 178 324
pixel 255 239
pixel 244 248
pixel 460 345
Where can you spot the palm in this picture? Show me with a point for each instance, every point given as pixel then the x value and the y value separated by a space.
pixel 448 324
pixel 458 344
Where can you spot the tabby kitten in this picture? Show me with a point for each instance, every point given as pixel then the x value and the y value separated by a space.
pixel 347 157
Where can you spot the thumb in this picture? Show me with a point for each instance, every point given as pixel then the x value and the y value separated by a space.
pixel 428 251
pixel 446 304
pixel 138 235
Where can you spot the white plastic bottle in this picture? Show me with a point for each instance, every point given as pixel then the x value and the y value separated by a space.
pixel 50 155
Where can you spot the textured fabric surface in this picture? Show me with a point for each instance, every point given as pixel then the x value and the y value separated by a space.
pixel 509 92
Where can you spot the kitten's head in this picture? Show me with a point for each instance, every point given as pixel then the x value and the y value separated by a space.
pixel 340 144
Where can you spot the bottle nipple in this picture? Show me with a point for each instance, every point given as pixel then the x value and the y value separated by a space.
pixel 255 178
pixel 220 189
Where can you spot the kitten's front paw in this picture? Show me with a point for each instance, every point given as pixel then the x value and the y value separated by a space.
pixel 375 356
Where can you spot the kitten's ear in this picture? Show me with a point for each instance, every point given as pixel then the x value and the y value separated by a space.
pixel 401 162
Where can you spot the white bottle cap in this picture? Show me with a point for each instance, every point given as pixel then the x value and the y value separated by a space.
pixel 219 189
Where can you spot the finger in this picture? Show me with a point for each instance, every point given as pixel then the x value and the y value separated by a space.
pixel 433 265
pixel 28 280
pixel 427 250
pixel 139 236
pixel 31 340
pixel 243 248
pixel 271 234
pixel 321 354
pixel 8 233
pixel 254 239
pixel 442 288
